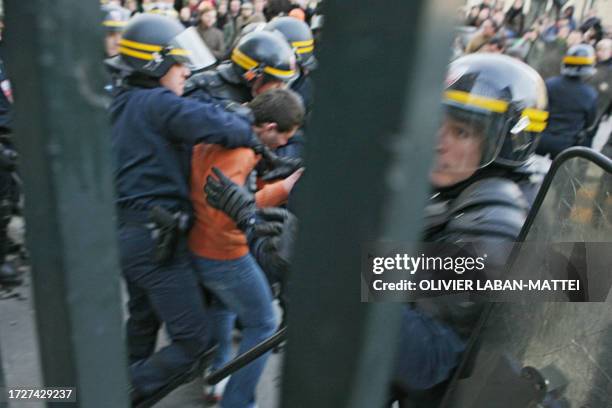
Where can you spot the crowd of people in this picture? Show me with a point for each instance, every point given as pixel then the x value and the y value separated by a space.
pixel 211 101
pixel 579 94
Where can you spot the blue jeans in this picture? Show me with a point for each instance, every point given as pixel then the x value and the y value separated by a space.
pixel 169 294
pixel 428 353
pixel 242 287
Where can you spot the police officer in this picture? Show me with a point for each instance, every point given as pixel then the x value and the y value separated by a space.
pixel 299 36
pixel 262 60
pixel 115 20
pixel 494 114
pixel 573 103
pixel 153 128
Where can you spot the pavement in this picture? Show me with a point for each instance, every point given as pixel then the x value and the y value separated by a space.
pixel 21 363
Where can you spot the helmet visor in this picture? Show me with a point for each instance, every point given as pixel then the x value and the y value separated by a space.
pixel 188 48
pixel 467 140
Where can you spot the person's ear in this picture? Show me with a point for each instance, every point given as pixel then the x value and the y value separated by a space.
pixel 266 126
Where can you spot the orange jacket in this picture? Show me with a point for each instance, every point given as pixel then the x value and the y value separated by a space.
pixel 214 235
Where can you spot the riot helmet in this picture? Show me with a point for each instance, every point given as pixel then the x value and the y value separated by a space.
pixel 115 18
pixel 262 53
pixel 579 61
pixel 299 36
pixel 152 44
pixel 498 104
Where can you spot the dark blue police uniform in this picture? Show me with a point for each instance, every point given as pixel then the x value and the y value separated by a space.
pixel 573 107
pixel 152 132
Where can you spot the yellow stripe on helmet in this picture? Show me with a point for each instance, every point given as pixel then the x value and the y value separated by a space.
pixel 179 51
pixel 243 60
pixel 306 43
pixel 579 60
pixel 136 54
pixel 247 63
pixel 536 127
pixel 304 50
pixel 536 115
pixel 466 98
pixel 279 72
pixel 111 23
pixel 140 46
pixel 537 120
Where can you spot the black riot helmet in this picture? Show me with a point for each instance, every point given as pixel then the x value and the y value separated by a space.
pixel 152 44
pixel 579 61
pixel 115 18
pixel 299 36
pixel 262 53
pixel 503 101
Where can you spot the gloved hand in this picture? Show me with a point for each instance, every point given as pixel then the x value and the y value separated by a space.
pixel 234 200
pixel 277 228
pixel 277 167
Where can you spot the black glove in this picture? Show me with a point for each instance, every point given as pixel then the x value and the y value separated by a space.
pixel 234 200
pixel 277 229
pixel 276 167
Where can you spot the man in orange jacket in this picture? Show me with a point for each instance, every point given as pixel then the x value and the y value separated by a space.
pixel 221 254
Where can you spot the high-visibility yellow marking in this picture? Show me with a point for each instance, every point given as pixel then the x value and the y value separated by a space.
pixel 536 114
pixel 579 60
pixel 179 51
pixel 279 72
pixel 135 54
pixel 466 98
pixel 304 50
pixel 243 60
pixel 536 127
pixel 246 62
pixel 538 120
pixel 306 43
pixel 114 23
pixel 140 46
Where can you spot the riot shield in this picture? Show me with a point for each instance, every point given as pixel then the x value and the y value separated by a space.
pixel 545 354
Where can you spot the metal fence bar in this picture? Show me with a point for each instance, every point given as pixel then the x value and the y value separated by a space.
pixel 378 93
pixel 55 55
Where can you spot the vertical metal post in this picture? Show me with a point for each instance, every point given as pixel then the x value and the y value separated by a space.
pixel 2 381
pixel 55 62
pixel 378 94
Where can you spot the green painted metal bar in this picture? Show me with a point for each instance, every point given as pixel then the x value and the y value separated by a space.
pixel 55 54
pixel 378 96
pixel 2 380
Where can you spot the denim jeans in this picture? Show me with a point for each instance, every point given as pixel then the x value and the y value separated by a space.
pixel 242 287
pixel 428 353
pixel 169 294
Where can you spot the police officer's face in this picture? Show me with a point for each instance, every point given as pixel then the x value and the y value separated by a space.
pixel 175 79
pixel 458 153
pixel 111 43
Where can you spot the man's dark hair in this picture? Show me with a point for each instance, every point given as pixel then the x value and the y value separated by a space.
pixel 281 106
